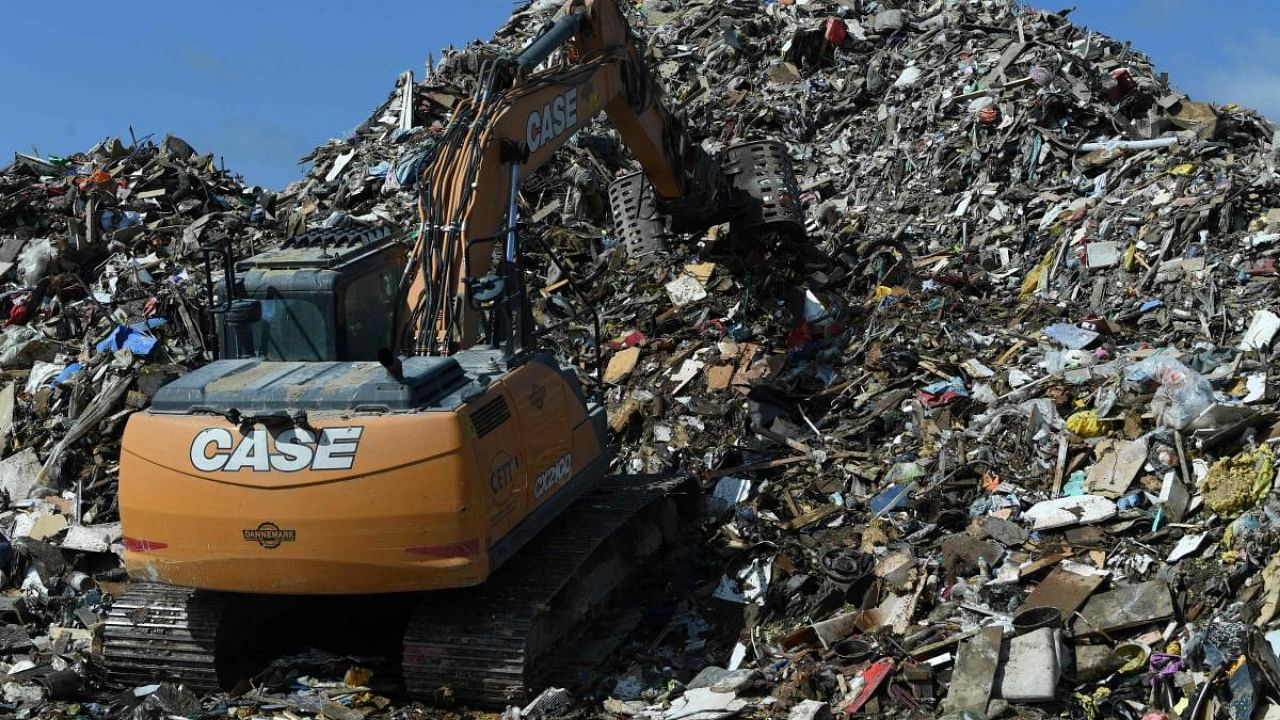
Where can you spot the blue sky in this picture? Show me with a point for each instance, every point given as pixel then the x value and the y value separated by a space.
pixel 261 83
pixel 1219 51
pixel 257 82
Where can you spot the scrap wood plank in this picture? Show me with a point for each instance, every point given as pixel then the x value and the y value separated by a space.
pixel 1006 60
pixel 1065 589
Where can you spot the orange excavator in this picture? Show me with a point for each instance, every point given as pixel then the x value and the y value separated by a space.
pixel 383 419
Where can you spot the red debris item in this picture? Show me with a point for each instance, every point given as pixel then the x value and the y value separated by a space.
pixel 837 31
pixel 799 337
pixel 873 677
pixel 941 393
pixel 20 313
pixel 150 308
pixel 631 339
pixel 989 115
pixel 953 279
pixel 1265 266
pixel 99 177
pixel 1124 79
pixel 714 327
pixel 931 400
pixel 1096 323
pixel 1125 84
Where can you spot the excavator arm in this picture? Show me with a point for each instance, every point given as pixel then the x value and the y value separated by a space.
pixel 512 125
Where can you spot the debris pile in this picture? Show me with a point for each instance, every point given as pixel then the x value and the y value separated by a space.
pixel 1001 433
pixel 998 438
pixel 103 288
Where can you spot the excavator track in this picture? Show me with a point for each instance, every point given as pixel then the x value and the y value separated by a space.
pixel 160 632
pixel 488 646
pixel 498 643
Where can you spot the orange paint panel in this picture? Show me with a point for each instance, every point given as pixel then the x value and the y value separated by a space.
pixel 311 531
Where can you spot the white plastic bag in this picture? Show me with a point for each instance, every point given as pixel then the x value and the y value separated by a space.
pixel 34 260
pixel 1183 394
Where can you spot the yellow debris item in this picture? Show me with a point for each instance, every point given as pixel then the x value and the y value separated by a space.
pixel 1183 169
pixel 1089 703
pixel 883 291
pixel 1129 254
pixel 1238 483
pixel 1034 279
pixel 357 676
pixel 1134 656
pixel 1086 424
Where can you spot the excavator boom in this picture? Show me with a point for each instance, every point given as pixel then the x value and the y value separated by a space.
pixel 516 120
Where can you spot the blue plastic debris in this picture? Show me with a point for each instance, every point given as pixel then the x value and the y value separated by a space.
pixel 410 165
pixel 889 498
pixel 67 373
pixel 119 219
pixel 126 337
pixel 149 324
pixel 1129 502
pixel 942 392
pixel 1074 485
pixel 1244 692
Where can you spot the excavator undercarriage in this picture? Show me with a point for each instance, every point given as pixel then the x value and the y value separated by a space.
pixel 487 646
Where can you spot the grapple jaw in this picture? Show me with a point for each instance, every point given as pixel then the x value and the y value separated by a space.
pixel 754 189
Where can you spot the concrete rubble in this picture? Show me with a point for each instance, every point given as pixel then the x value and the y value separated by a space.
pixel 996 440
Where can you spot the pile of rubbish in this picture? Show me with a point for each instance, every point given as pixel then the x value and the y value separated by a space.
pixel 102 291
pixel 997 439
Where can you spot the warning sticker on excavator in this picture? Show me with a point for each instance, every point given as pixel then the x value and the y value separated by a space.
pixel 553 476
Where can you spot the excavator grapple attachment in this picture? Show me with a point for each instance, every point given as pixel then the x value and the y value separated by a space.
pixel 761 200
pixel 641 227
pixel 763 172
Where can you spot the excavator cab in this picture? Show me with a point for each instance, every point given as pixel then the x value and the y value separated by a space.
pixel 320 296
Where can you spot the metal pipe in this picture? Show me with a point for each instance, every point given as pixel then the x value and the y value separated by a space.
pixel 541 48
pixel 1130 144
pixel 514 305
pixel 512 197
